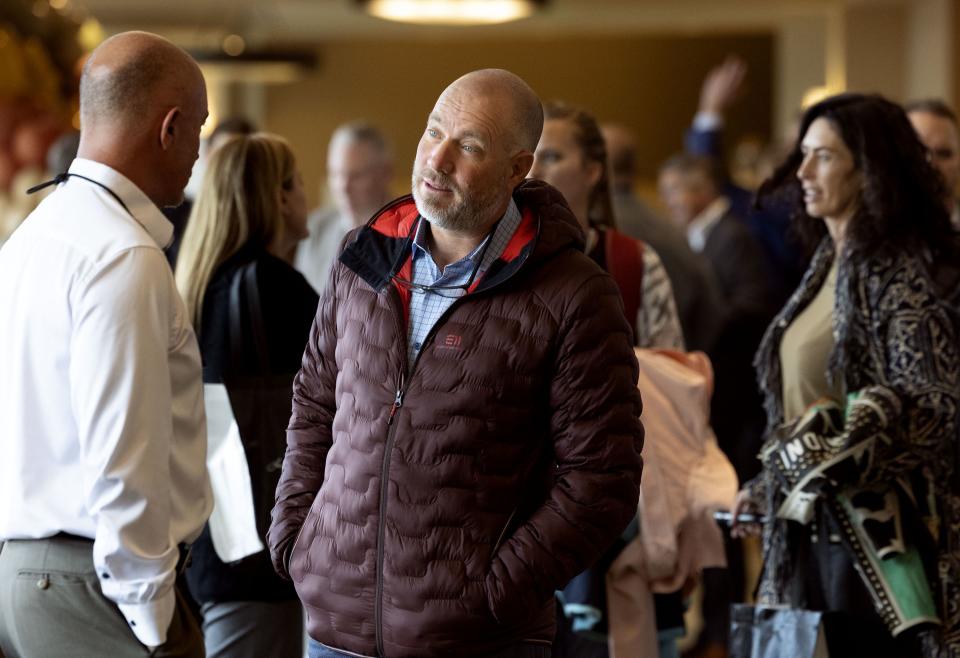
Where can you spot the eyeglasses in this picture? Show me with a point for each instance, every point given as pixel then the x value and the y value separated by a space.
pixel 450 292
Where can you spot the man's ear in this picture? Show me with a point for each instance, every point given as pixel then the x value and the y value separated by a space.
pixel 521 165
pixel 168 127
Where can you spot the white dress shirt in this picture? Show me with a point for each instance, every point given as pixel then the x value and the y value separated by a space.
pixel 698 230
pixel 317 253
pixel 101 410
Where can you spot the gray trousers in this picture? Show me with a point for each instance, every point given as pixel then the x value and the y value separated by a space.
pixel 51 606
pixel 253 629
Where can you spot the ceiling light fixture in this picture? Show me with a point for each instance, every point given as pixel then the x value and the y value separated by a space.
pixel 452 12
pixel 259 65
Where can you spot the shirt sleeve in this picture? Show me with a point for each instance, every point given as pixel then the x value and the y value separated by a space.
pixel 705 135
pixel 706 121
pixel 122 400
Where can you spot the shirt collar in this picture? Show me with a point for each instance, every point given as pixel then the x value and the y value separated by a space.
pixel 143 210
pixel 699 229
pixel 508 222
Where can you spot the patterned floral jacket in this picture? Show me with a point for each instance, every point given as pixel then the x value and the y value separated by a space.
pixel 892 332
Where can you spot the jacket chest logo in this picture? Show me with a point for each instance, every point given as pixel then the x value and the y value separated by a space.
pixel 451 341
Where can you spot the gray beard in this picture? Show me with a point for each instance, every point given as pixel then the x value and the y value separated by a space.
pixel 468 215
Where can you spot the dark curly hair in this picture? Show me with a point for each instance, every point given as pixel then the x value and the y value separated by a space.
pixel 901 203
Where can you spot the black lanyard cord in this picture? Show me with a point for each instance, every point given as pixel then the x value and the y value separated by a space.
pixel 60 178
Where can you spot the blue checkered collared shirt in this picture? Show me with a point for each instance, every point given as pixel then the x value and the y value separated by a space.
pixel 426 307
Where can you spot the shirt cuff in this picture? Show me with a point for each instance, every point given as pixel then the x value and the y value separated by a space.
pixel 150 621
pixel 707 121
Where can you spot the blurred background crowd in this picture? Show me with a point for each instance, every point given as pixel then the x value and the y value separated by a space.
pixel 693 103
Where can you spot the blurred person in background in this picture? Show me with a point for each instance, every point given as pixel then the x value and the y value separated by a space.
pixel 572 157
pixel 359 171
pixel 863 362
pixel 634 216
pixel 694 285
pixel 691 189
pixel 16 205
pixel 180 215
pixel 250 210
pixel 936 126
pixel 784 259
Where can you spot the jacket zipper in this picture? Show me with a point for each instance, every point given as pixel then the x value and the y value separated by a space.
pixel 384 477
pixel 402 385
pixel 397 403
pixel 382 531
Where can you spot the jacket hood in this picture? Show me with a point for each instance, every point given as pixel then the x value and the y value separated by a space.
pixel 559 229
pixel 382 248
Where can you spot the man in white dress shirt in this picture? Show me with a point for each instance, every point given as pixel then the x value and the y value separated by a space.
pixel 102 428
pixel 359 170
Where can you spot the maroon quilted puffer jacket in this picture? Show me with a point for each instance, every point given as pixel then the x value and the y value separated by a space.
pixel 435 513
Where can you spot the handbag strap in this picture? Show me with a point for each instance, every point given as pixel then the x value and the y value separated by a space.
pixel 246 278
pixel 625 264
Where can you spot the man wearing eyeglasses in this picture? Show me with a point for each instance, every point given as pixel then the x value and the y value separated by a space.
pixel 465 434
pixel 936 126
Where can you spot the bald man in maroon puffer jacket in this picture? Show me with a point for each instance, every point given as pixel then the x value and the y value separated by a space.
pixel 465 435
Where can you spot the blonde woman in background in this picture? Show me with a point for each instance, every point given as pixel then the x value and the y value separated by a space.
pixel 249 216
pixel 572 157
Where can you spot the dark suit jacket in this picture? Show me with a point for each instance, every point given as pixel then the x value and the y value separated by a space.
pixel 784 257
pixel 737 413
pixel 740 267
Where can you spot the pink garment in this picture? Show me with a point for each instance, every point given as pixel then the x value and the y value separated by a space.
pixel 685 479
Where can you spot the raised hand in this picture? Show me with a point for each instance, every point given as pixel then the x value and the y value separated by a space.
pixel 722 85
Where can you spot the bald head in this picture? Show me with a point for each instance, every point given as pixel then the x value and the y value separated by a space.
pixel 523 116
pixel 126 76
pixel 476 149
pixel 142 103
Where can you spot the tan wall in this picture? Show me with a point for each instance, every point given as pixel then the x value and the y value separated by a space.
pixel 649 82
pixel 876 49
pixel 929 57
pixel 802 66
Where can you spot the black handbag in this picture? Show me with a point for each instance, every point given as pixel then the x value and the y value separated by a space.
pixel 261 400
pixel 776 632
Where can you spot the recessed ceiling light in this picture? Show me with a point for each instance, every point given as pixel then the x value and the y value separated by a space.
pixel 451 12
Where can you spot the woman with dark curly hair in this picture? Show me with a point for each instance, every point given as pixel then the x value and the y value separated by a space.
pixel 860 377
